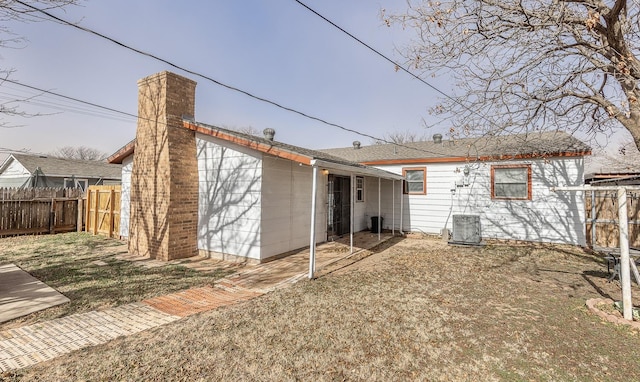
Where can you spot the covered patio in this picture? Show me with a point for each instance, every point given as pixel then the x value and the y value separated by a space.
pixel 350 171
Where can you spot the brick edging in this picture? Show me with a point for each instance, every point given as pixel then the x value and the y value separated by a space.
pixel 592 306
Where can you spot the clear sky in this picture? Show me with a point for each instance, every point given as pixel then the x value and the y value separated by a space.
pixel 275 49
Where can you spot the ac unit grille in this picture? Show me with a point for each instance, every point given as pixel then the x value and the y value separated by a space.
pixel 466 229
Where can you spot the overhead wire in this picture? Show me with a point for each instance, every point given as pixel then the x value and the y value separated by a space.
pixel 397 65
pixel 217 82
pixel 70 98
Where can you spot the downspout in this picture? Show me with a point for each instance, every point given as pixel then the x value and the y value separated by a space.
pixel 312 238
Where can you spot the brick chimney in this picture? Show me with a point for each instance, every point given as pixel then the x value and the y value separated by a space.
pixel 164 177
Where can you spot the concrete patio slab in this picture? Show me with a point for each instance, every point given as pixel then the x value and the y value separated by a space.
pixel 21 293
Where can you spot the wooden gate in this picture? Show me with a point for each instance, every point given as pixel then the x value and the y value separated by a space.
pixel 602 213
pixel 103 210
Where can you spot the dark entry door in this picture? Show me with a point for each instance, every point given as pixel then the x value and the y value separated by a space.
pixel 339 212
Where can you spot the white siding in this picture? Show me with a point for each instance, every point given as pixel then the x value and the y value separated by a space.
pixel 548 217
pixel 286 206
pixel 386 207
pixel 360 216
pixel 230 179
pixel 15 175
pixel 125 196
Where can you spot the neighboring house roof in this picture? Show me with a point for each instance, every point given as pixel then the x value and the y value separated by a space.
pixel 533 145
pixel 59 167
pixel 267 146
pixel 602 166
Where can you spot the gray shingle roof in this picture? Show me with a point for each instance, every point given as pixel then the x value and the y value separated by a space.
pixel 59 167
pixel 542 144
pixel 313 154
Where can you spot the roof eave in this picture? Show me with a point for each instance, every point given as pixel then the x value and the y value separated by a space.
pixel 261 147
pixel 371 171
pixel 123 152
pixel 484 158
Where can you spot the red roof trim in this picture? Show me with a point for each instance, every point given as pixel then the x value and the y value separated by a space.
pixel 124 152
pixel 485 158
pixel 267 149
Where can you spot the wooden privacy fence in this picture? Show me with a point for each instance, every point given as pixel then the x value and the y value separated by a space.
pixel 39 210
pixel 603 215
pixel 103 210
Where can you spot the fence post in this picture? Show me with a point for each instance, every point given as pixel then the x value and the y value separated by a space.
pixel 80 215
pixel 97 209
pixel 52 216
pixel 112 198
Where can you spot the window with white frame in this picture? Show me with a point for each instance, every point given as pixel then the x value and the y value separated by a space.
pixel 415 180
pixel 76 183
pixel 511 182
pixel 359 189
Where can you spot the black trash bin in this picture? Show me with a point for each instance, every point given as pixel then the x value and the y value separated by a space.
pixel 374 223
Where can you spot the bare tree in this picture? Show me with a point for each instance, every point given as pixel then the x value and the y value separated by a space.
pixel 401 137
pixel 80 152
pixel 11 10
pixel 526 65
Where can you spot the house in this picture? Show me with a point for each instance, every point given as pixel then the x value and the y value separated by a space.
pixel 605 170
pixel 499 185
pixel 24 170
pixel 189 187
pixel 192 188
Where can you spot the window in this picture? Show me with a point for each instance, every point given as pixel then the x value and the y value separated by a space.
pixel 511 182
pixel 76 183
pixel 415 180
pixel 359 189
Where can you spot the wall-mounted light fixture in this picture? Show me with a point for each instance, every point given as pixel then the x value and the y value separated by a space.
pixel 325 171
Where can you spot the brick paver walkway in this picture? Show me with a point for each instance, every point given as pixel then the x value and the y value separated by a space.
pixel 28 345
pixel 32 344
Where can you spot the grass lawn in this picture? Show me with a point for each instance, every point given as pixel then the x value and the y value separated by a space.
pixel 415 310
pixel 84 268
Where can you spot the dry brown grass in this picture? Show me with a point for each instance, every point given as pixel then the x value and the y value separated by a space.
pixel 84 268
pixel 417 310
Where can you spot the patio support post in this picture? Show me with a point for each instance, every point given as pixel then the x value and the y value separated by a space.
pixel 393 207
pixel 312 239
pixel 352 190
pixel 401 207
pixel 625 277
pixel 593 220
pixel 379 217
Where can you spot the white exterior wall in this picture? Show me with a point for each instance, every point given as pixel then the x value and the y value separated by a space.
pixel 229 207
pixel 15 175
pixel 548 217
pixel 360 216
pixel 286 206
pixel 125 196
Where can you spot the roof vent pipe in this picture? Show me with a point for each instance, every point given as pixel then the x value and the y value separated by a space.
pixel 356 145
pixel 269 133
pixel 437 138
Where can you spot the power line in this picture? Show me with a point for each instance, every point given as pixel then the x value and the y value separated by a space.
pixel 70 98
pixel 210 79
pixel 396 64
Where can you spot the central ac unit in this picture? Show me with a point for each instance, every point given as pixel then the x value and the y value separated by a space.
pixel 466 229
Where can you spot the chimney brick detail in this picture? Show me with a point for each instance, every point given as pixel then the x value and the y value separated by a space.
pixel 164 177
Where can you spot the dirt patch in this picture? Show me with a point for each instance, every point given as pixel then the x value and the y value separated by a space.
pixel 412 310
